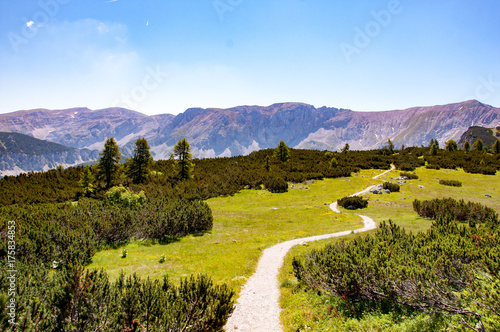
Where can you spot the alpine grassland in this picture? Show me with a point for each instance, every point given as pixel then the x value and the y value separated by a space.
pixel 118 252
pixel 309 308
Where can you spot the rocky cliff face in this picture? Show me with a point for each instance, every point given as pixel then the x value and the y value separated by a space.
pixel 243 129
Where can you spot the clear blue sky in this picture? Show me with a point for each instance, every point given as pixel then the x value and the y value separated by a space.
pixel 167 55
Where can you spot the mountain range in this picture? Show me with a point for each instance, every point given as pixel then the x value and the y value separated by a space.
pixel 214 132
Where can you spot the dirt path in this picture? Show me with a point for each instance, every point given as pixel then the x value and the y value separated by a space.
pixel 257 309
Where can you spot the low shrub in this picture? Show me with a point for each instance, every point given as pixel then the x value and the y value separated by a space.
pixel 353 202
pixel 451 183
pixel 120 195
pixel 432 167
pixel 276 185
pixel 455 210
pixel 392 187
pixel 408 175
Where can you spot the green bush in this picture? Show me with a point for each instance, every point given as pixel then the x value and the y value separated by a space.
pixel 276 185
pixel 451 269
pixel 392 187
pixel 75 299
pixel 353 202
pixel 119 195
pixel 451 183
pixel 432 167
pixel 456 210
pixel 408 175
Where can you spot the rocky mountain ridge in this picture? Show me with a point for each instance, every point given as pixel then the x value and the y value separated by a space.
pixel 240 130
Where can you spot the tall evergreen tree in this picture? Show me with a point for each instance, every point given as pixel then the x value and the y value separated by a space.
pixel 451 145
pixel 390 145
pixel 346 148
pixel 466 146
pixel 478 145
pixel 282 152
pixel 496 147
pixel 138 165
pixel 183 163
pixel 87 182
pixel 108 162
pixel 434 149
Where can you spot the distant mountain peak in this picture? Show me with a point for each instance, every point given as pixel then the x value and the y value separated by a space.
pixel 242 129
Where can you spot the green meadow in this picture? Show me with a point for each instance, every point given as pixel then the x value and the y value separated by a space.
pixel 244 225
pixel 307 311
pixel 250 221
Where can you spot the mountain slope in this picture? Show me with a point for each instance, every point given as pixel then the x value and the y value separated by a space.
pixel 243 129
pixel 82 127
pixel 21 153
pixel 487 135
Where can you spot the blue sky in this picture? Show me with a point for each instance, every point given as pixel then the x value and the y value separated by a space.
pixel 165 56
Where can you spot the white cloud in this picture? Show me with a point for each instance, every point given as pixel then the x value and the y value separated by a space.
pixel 30 24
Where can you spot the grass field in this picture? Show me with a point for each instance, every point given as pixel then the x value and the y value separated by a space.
pixel 244 225
pixel 252 220
pixel 306 311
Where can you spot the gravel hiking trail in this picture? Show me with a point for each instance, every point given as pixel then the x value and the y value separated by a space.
pixel 257 308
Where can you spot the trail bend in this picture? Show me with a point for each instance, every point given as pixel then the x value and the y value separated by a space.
pixel 257 308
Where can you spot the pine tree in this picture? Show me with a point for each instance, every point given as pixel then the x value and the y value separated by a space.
pixel 390 145
pixel 451 145
pixel 282 152
pixel 346 148
pixel 138 165
pixel 183 164
pixel 478 145
pixel 108 162
pixel 466 146
pixel 496 147
pixel 434 150
pixel 87 181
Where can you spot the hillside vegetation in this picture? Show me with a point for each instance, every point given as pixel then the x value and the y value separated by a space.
pixel 60 223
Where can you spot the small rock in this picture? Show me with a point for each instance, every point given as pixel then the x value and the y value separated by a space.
pixel 487 195
pixel 326 203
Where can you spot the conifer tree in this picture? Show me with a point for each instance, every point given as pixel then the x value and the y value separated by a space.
pixel 390 145
pixel 496 147
pixel 434 149
pixel 183 163
pixel 451 145
pixel 87 182
pixel 346 148
pixel 434 142
pixel 108 162
pixel 282 152
pixel 478 145
pixel 466 146
pixel 138 165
